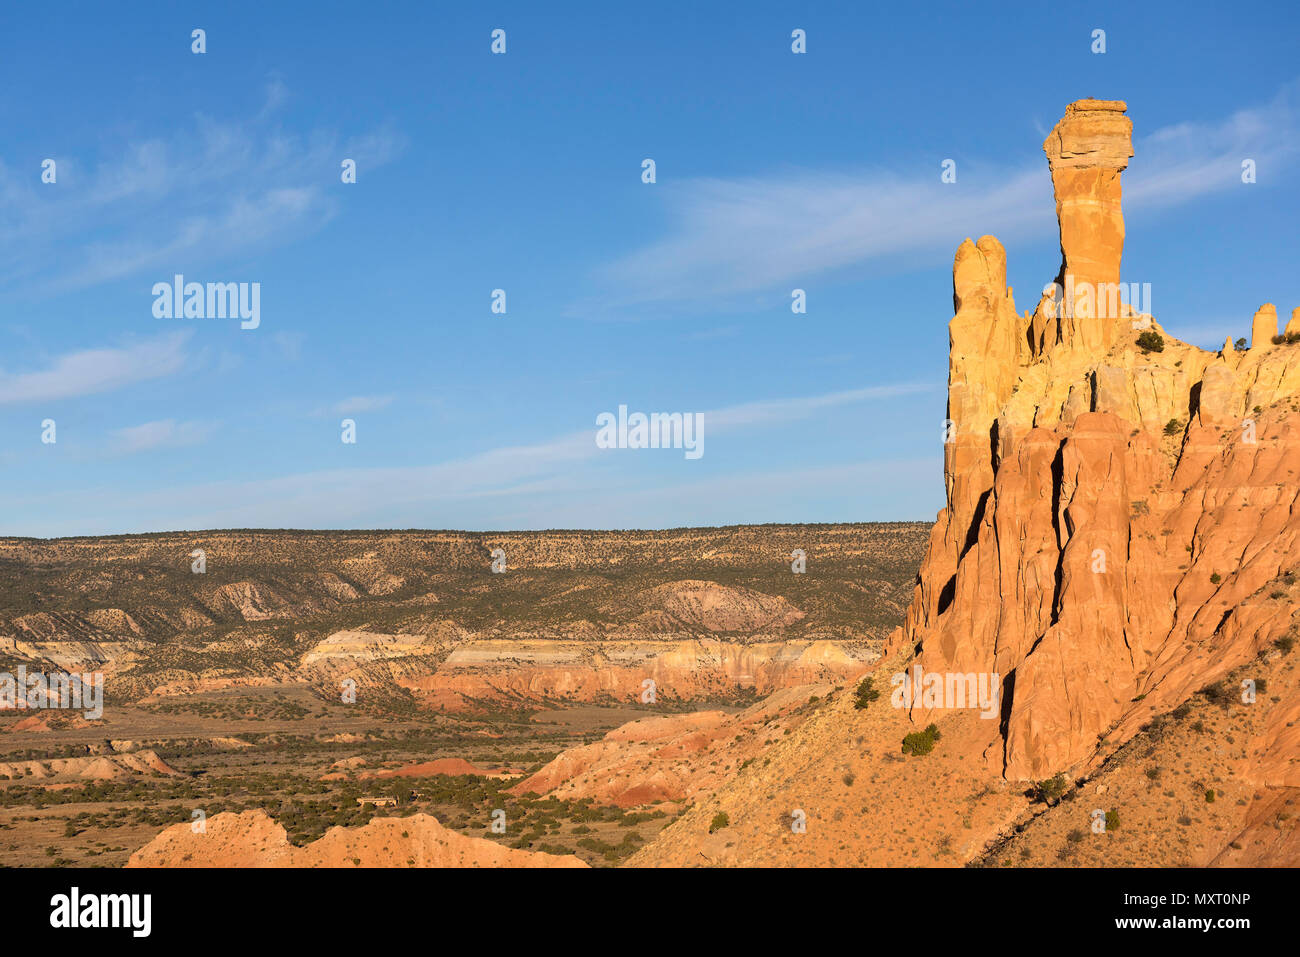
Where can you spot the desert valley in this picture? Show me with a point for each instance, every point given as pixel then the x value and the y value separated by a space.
pixel 589 692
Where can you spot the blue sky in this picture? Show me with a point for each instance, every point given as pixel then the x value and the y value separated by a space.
pixel 522 172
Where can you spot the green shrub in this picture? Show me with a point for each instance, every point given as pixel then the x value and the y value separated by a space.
pixel 867 693
pixel 1049 791
pixel 1222 694
pixel 720 820
pixel 1112 820
pixel 596 845
pixel 1173 427
pixel 921 742
pixel 1151 341
pixel 1210 796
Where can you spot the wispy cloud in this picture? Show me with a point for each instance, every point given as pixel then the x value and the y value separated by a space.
pixel 772 411
pixel 721 332
pixel 277 94
pixel 804 494
pixel 289 344
pixel 1188 160
pixel 334 497
pixel 92 371
pixel 165 433
pixel 361 403
pixel 735 237
pixel 210 190
pixel 740 236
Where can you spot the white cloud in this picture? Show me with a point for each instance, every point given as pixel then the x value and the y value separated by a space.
pixel 523 474
pixel 772 411
pixel 762 233
pixel 92 371
pixel 162 433
pixel 362 403
pixel 733 237
pixel 1188 160
pixel 277 94
pixel 210 190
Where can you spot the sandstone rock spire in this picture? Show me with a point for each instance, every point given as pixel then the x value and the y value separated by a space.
pixel 1087 151
pixel 1263 327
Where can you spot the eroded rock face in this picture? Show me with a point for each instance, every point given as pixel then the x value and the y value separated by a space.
pixel 1120 523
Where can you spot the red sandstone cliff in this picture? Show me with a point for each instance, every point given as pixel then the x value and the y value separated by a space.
pixel 1118 520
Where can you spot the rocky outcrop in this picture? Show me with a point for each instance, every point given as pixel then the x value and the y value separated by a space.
pixel 361 646
pixel 95 768
pixel 703 606
pixel 249 600
pixel 1120 522
pixel 253 839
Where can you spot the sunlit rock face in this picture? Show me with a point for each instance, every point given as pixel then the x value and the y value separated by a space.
pixel 1118 518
